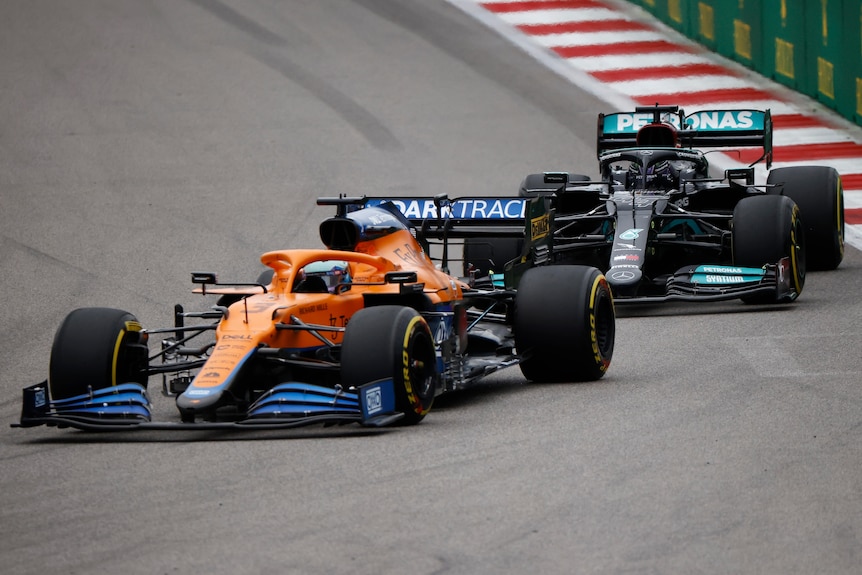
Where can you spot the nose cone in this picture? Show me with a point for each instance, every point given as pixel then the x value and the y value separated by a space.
pixel 198 402
pixel 624 280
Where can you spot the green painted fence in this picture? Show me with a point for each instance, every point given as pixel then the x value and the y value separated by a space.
pixel 812 46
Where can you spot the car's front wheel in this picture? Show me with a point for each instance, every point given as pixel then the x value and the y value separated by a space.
pixel 95 348
pixel 391 341
pixel 765 230
pixel 564 324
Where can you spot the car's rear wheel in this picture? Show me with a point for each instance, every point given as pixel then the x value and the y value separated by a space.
pixel 95 348
pixel 818 192
pixel 564 324
pixel 392 341
pixel 765 230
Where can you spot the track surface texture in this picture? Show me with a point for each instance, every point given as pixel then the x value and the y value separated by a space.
pixel 142 140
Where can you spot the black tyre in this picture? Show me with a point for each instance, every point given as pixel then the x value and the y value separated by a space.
pixel 96 348
pixel 490 254
pixel 534 185
pixel 766 229
pixel 818 192
pixel 392 341
pixel 564 324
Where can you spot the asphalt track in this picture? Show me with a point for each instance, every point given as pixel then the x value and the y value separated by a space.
pixel 142 140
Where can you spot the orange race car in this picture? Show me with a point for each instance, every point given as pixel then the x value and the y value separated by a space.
pixel 368 330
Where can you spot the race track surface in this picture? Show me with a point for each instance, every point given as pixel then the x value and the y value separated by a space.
pixel 143 140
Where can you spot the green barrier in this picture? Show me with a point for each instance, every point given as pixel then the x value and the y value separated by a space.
pixel 812 46
pixel 829 68
pixel 674 13
pixel 784 43
pixel 850 62
pixel 734 31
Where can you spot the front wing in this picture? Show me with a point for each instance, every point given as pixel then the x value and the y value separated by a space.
pixel 723 282
pixel 127 407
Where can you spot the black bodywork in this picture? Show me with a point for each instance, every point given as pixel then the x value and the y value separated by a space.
pixel 658 236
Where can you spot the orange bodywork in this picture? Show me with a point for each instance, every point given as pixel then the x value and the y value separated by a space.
pixel 253 321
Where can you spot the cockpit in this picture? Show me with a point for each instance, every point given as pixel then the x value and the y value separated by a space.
pixel 322 276
pixel 657 171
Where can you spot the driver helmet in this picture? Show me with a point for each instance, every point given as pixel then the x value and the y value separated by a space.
pixel 661 176
pixel 332 272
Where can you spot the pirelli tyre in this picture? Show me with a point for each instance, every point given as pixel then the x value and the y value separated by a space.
pixel 95 348
pixel 818 192
pixel 392 341
pixel 534 185
pixel 485 255
pixel 564 324
pixel 765 230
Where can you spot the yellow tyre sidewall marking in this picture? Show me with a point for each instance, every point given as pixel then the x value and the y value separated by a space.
pixel 405 364
pixel 131 326
pixel 794 264
pixel 601 361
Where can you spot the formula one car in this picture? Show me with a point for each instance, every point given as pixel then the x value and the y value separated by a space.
pixel 662 229
pixel 368 330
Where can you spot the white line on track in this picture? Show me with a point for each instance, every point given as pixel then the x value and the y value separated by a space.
pixel 559 16
pixel 687 85
pixel 636 61
pixel 597 38
pixel 813 135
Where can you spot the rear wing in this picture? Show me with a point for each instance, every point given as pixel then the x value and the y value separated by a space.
pixel 702 129
pixel 466 217
pixel 442 218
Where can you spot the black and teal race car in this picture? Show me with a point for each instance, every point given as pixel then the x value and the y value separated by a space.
pixel 658 223
pixel 662 227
